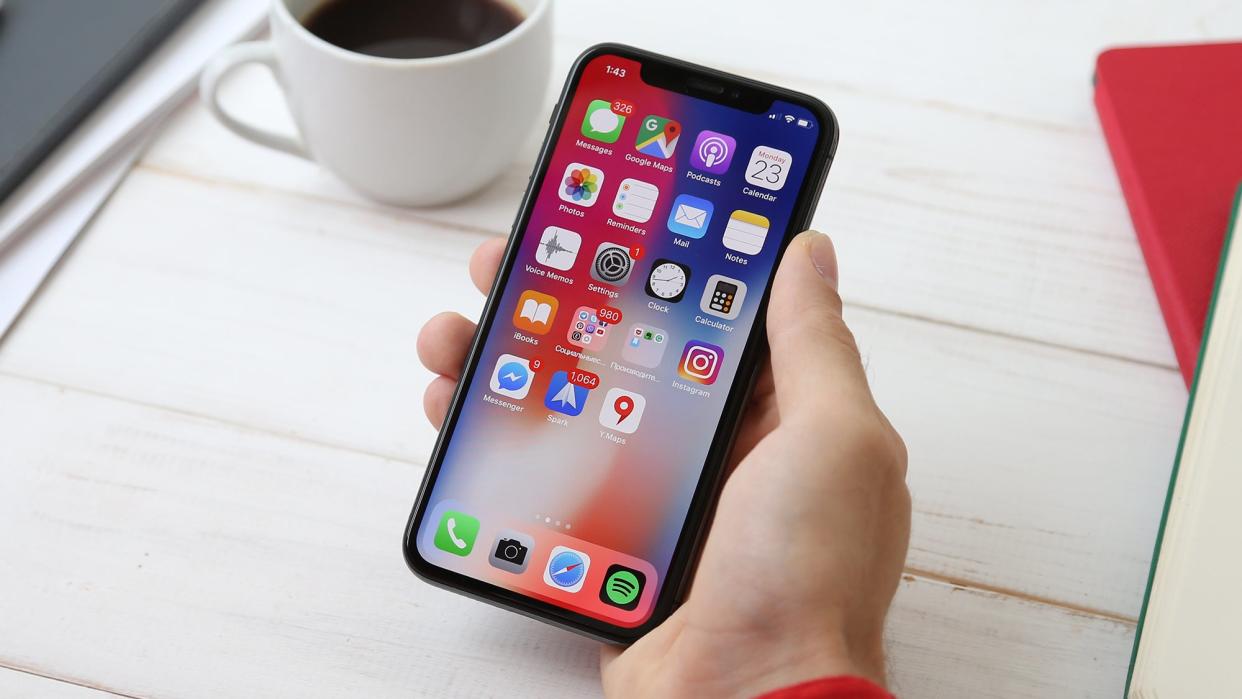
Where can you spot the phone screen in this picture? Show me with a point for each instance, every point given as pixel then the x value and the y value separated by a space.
pixel 583 432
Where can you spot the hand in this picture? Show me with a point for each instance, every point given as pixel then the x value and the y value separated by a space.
pixel 809 538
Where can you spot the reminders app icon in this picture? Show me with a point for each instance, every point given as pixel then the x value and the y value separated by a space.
pixel 690 216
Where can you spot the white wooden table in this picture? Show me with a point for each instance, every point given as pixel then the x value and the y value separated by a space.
pixel 211 426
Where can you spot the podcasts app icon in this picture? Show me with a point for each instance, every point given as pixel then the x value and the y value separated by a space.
pixel 713 151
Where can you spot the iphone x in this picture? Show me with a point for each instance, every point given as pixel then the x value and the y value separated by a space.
pixel 583 449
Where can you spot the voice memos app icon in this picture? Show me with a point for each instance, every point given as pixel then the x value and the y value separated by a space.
pixel 622 587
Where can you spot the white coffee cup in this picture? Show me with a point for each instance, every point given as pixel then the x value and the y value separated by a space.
pixel 406 131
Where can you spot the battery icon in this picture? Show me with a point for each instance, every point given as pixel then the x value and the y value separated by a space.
pixel 804 123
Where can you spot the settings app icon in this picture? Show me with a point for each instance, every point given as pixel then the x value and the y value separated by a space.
pixel 613 264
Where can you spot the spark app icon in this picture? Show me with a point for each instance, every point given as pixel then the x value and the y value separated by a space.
pixel 601 123
pixel 565 397
pixel 700 362
pixel 511 377
pixel 658 137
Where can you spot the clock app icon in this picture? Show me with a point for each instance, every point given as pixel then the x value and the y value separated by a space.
pixel 668 280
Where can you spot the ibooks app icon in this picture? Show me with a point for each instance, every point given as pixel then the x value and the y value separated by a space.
pixel 535 312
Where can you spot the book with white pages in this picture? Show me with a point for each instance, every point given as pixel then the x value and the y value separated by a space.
pixel 1190 631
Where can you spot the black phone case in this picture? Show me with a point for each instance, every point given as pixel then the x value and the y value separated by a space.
pixel 59 59
pixel 693 533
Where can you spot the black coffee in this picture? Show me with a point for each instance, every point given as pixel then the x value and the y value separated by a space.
pixel 411 28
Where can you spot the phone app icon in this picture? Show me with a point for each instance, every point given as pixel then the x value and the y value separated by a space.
pixel 456 533
pixel 566 569
pixel 622 587
pixel 588 330
pixel 511 377
pixel 565 397
pixel 602 124
pixel 622 410
pixel 746 232
pixel 723 296
pixel 668 280
pixel 535 312
pixel 558 248
pixel 657 137
pixel 613 264
pixel 768 167
pixel 645 346
pixel 511 551
pixel 690 216
pixel 581 184
pixel 635 200
pixel 700 362
pixel 713 151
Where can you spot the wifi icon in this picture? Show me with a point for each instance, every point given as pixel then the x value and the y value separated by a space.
pixel 789 118
pixel 622 587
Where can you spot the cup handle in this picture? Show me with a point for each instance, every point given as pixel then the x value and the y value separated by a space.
pixel 228 60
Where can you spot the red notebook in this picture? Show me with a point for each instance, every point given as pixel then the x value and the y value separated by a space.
pixel 1172 116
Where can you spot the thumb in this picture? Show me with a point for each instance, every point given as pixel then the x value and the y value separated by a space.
pixel 815 361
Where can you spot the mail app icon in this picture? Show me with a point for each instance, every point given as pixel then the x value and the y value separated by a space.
pixel 690 216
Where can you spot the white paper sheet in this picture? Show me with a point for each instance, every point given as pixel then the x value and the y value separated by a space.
pixel 29 259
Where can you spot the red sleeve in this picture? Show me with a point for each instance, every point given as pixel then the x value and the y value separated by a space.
pixel 830 688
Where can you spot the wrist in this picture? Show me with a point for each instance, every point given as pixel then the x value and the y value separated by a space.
pixel 750 666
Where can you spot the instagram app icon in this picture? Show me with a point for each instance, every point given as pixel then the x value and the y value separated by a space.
pixel 700 362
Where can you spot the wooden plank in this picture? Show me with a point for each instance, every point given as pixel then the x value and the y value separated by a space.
pixel 1035 469
pixel 17 683
pixel 180 556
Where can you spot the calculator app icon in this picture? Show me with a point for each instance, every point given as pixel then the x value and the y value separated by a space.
pixel 723 297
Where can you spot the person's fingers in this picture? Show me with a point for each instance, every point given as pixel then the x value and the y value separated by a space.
pixel 443 343
pixel 815 362
pixel 485 262
pixel 436 399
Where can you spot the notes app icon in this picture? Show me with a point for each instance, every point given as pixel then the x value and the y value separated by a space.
pixel 746 232
pixel 535 312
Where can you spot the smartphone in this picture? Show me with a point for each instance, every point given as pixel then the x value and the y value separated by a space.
pixel 583 449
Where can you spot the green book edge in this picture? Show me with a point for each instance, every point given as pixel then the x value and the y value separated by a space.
pixel 1181 442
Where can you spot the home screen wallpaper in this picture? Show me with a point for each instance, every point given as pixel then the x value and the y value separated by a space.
pixel 585 429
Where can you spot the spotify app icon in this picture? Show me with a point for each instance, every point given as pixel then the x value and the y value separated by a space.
pixel 622 587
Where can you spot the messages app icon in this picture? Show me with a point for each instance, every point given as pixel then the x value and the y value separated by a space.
pixel 690 216
pixel 601 123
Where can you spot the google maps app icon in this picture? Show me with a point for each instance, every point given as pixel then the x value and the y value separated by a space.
pixel 658 137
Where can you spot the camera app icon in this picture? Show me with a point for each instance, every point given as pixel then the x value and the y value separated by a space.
pixel 511 551
pixel 700 362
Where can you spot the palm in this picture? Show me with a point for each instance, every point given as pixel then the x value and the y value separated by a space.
pixel 821 483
